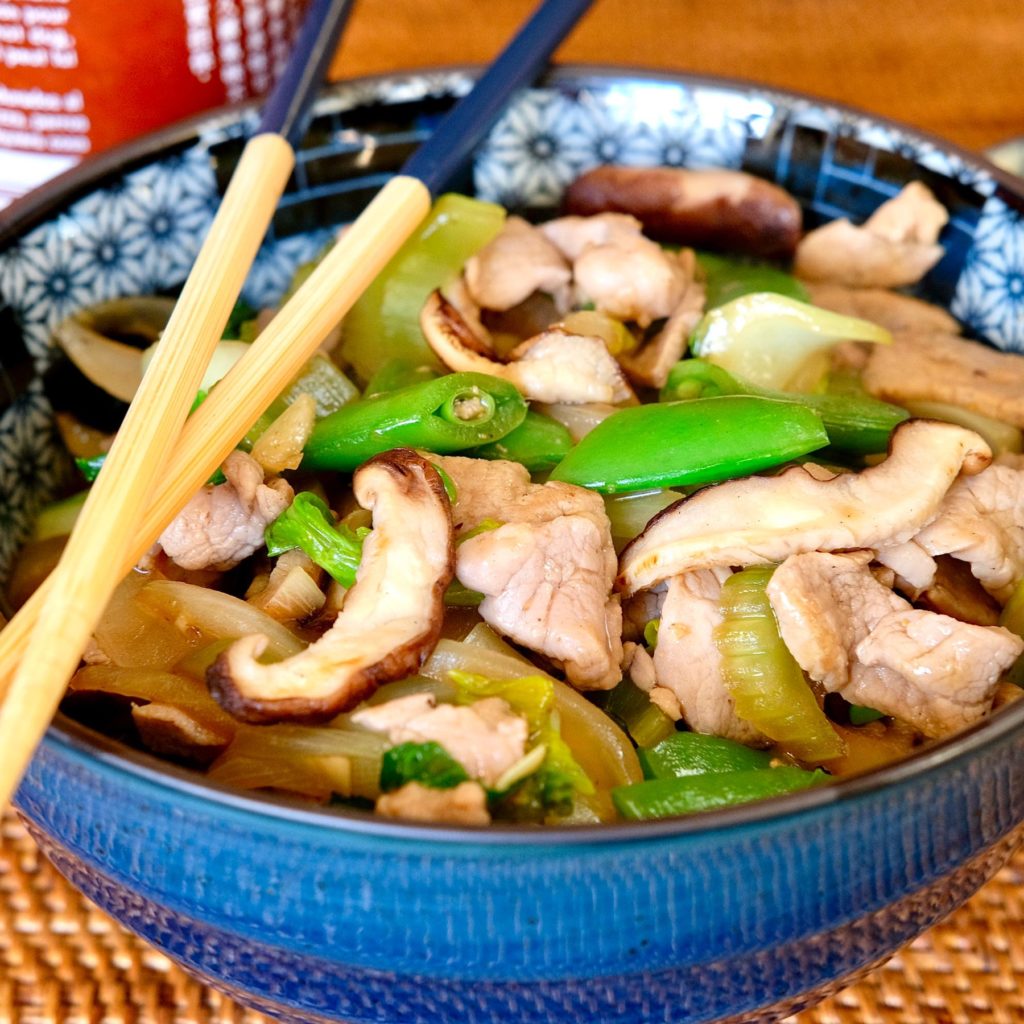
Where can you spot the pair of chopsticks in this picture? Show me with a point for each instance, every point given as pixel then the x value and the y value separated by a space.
pixel 158 459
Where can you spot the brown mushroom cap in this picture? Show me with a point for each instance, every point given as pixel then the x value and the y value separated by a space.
pixel 391 618
pixel 717 209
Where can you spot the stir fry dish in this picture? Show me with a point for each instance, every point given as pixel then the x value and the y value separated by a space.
pixel 661 505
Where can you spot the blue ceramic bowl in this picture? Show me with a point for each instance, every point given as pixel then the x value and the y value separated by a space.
pixel 312 914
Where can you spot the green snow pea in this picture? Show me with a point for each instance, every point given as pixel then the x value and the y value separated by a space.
pixel 685 443
pixel 450 414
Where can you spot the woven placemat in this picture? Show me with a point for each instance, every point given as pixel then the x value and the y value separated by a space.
pixel 62 961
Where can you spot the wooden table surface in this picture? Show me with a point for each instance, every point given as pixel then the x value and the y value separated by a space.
pixel 951 67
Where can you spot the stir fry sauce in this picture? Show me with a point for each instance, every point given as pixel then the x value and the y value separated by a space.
pixel 658 506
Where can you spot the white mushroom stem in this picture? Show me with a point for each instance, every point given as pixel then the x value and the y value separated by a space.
pixel 555 366
pixel 391 618
pixel 758 520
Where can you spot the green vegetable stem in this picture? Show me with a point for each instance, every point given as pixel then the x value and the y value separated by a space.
pixel 693 753
pixel 765 682
pixel 539 443
pixel 665 798
pixel 385 323
pixel 450 414
pixel 854 423
pixel 309 524
pixel 695 442
pixel 645 722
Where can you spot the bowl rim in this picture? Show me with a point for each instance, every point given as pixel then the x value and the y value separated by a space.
pixel 49 199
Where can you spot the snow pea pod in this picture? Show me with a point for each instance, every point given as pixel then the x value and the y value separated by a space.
pixel 727 278
pixel 855 424
pixel 450 414
pixel 539 443
pixel 665 798
pixel 693 753
pixel 683 443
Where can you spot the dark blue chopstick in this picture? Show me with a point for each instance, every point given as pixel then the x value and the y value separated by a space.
pixel 522 60
pixel 286 108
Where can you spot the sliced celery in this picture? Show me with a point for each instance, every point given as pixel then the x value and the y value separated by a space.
pixel 766 684
pixel 385 323
pixel 644 721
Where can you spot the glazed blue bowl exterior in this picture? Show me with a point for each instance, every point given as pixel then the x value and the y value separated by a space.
pixel 311 914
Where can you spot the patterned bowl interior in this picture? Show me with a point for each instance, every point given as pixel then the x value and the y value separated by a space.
pixel 138 231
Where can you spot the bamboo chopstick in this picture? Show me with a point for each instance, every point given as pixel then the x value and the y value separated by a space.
pixel 72 600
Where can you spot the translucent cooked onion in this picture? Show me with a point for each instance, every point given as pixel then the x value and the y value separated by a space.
pixel 1000 435
pixel 602 749
pixel 131 634
pixel 579 420
pixel 629 513
pixel 205 615
pixel 290 595
pixel 312 777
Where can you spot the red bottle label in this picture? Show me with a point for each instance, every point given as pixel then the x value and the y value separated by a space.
pixel 79 76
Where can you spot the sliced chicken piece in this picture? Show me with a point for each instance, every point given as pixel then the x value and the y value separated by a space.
pixel 572 235
pixel 546 573
pixel 897 245
pixel 464 804
pixel 891 310
pixel 514 265
pixel 224 524
pixel 556 366
pixel 758 520
pixel 486 737
pixel 939 367
pixel 857 638
pixel 631 278
pixel 720 209
pixel 981 522
pixel 391 618
pixel 913 566
pixel 686 659
pixel 651 365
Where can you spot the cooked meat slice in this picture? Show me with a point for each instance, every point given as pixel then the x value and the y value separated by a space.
pixel 556 366
pixel 547 587
pixel 939 367
pixel 859 639
pixel 913 566
pixel 514 265
pixel 686 659
pixel 631 278
pixel 758 520
pixel 464 804
pixel 572 235
pixel 726 210
pixel 486 738
pixel 391 618
pixel 896 245
pixel 651 365
pixel 224 524
pixel 981 522
pixel 546 572
pixel 891 310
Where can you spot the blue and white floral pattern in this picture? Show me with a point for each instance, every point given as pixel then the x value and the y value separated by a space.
pixel 990 292
pixel 141 232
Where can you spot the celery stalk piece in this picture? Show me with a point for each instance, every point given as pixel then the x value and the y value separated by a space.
pixel 58 518
pixel 385 323
pixel 1012 618
pixel 1000 435
pixel 644 721
pixel 766 339
pixel 766 684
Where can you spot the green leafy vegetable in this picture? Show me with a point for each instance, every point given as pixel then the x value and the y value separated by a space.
pixel 645 722
pixel 426 763
pixel 309 524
